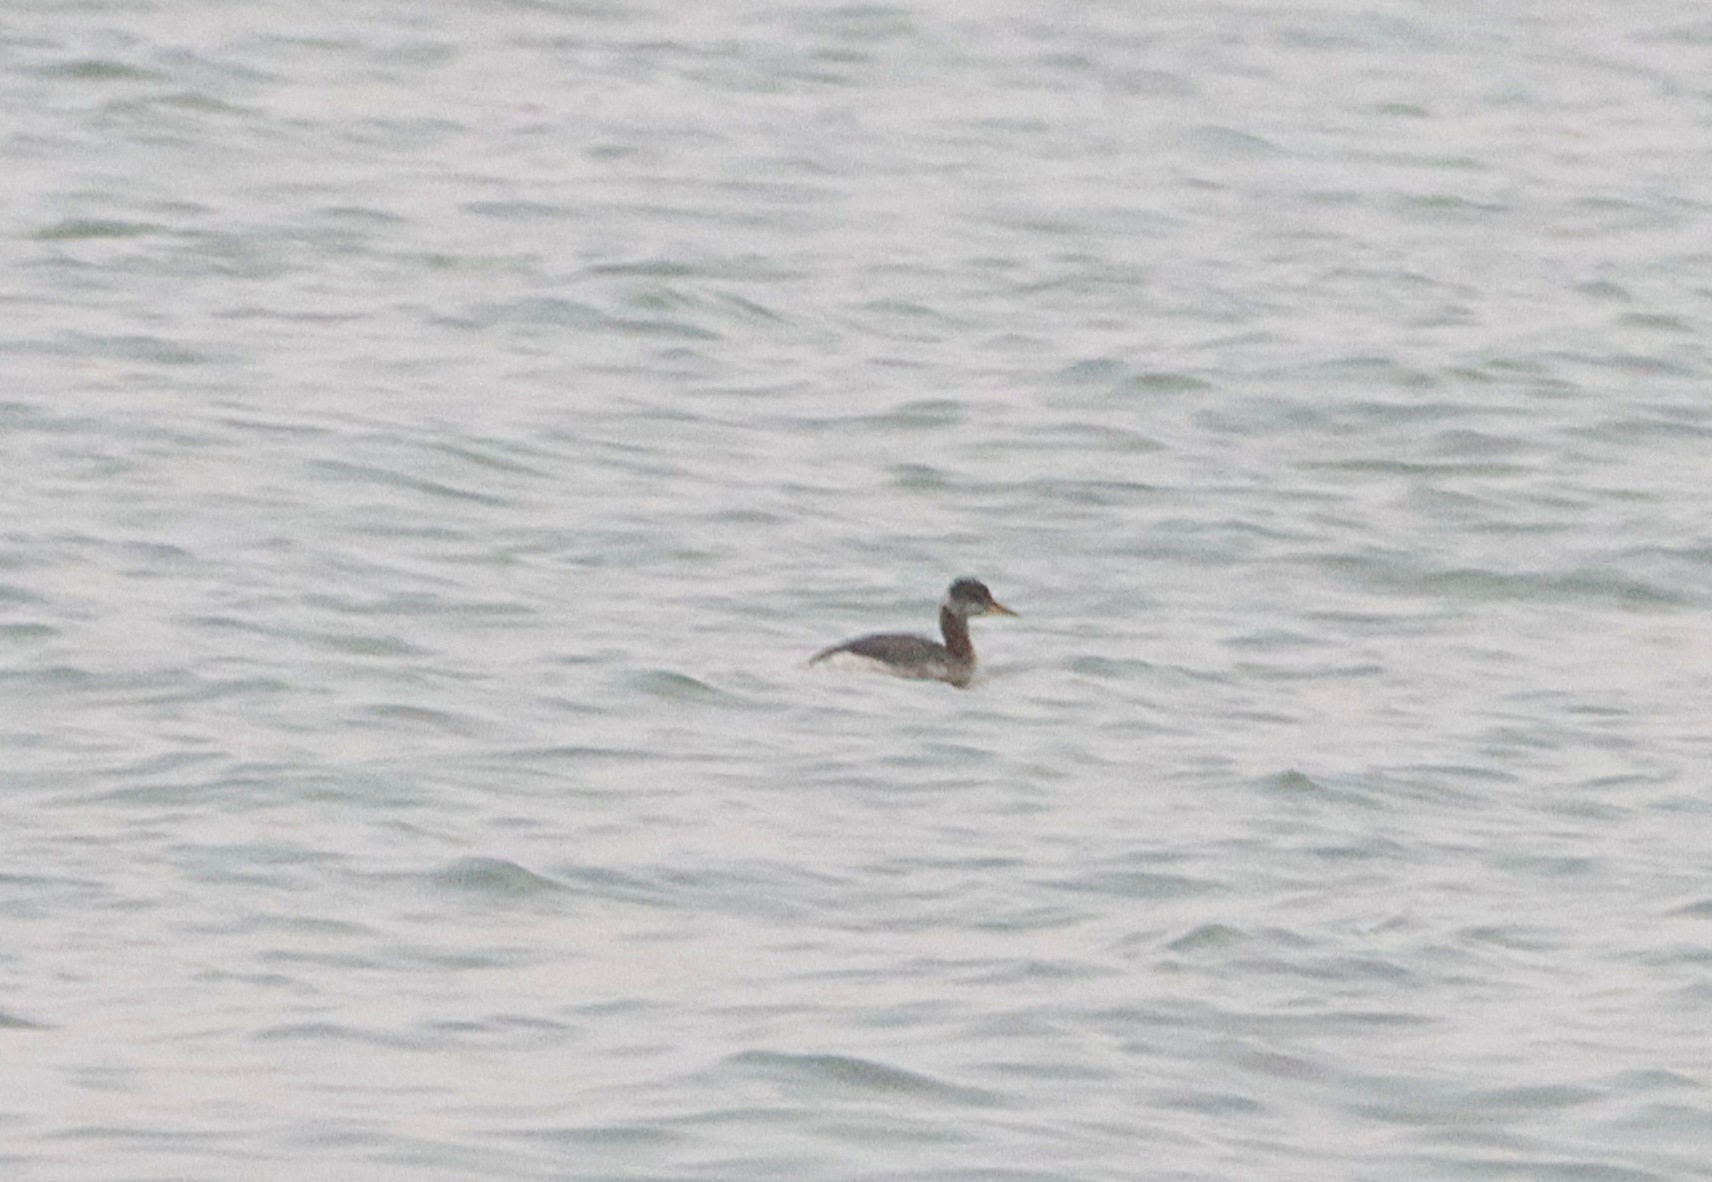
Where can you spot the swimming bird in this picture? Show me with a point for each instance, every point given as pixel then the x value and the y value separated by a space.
pixel 916 656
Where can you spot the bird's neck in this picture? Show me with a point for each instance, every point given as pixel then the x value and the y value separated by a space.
pixel 956 631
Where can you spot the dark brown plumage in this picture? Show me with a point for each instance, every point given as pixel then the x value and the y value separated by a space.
pixel 904 655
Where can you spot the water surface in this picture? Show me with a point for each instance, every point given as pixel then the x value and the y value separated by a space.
pixel 436 437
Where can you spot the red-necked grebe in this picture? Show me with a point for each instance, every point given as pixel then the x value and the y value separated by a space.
pixel 917 656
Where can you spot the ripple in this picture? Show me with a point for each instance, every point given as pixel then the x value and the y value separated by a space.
pixel 336 1032
pixel 1137 884
pixel 1112 668
pixel 440 721
pixel 1209 937
pixel 615 1136
pixel 1471 584
pixel 1540 1098
pixel 494 877
pixel 677 687
pixel 1222 1104
pixel 867 1075
pixel 343 471
pixel 102 70
pixel 1297 785
pixel 11 1021
pixel 83 229
pixel 1702 909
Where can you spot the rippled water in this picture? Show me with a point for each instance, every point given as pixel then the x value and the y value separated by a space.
pixel 437 434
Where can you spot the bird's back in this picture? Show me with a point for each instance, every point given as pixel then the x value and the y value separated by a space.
pixel 901 654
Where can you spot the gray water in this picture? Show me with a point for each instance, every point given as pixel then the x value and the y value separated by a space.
pixel 435 435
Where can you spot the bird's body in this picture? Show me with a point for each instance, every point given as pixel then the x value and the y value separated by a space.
pixel 904 655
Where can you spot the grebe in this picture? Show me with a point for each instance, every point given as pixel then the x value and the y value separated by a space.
pixel 917 656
